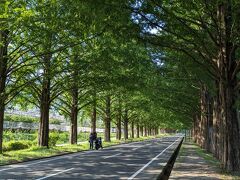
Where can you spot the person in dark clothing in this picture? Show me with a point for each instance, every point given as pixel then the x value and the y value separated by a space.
pixel 94 136
pixel 91 137
pixel 98 143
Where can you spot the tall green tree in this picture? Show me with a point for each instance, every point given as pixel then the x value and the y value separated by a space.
pixel 205 33
pixel 13 18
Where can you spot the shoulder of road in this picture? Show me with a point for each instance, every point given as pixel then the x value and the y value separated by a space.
pixel 194 163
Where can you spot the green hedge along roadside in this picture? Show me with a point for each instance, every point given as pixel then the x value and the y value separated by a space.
pixel 28 119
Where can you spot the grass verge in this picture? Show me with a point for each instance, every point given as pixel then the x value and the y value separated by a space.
pixel 11 157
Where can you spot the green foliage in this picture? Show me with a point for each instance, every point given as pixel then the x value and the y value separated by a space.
pixel 16 145
pixel 83 136
pixel 63 137
pixel 57 137
pixel 20 118
pixel 53 138
pixel 94 49
pixel 54 121
pixel 16 136
pixel 28 119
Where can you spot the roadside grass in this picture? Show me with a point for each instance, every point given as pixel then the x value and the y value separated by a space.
pixel 208 157
pixel 11 157
pixel 216 163
pixel 35 152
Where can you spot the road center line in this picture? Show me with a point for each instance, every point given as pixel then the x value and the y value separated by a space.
pixel 55 174
pixel 112 156
pixel 146 165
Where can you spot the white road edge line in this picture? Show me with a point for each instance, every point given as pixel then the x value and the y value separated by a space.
pixel 146 165
pixel 112 156
pixel 55 174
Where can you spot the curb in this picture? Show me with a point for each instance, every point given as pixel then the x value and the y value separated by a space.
pixel 164 175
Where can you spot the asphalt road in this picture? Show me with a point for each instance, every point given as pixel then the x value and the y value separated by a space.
pixel 138 160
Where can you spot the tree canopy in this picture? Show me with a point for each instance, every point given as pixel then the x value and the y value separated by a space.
pixel 155 64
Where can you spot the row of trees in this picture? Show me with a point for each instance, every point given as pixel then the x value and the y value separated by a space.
pixel 204 37
pixel 77 57
pixel 168 64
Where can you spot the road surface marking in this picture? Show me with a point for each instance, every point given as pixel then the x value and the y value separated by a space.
pixel 140 147
pixel 146 165
pixel 112 156
pixel 26 164
pixel 136 148
pixel 55 174
pixel 14 166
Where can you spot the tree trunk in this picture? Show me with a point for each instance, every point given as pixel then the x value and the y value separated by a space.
pixel 210 123
pixel 125 124
pixel 119 121
pixel 141 129
pixel 43 132
pixel 2 108
pixel 94 115
pixel 216 126
pixel 145 131
pixel 3 77
pixel 195 128
pixel 229 129
pixel 132 127
pixel 206 115
pixel 138 129
pixel 74 115
pixel 44 117
pixel 228 93
pixel 107 121
pixel 156 131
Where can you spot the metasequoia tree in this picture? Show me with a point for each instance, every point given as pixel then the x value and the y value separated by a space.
pixel 13 18
pixel 206 32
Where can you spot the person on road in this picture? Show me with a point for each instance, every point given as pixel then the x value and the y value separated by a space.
pixel 98 143
pixel 94 136
pixel 91 137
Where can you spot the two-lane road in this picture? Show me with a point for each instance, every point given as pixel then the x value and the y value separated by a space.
pixel 138 160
